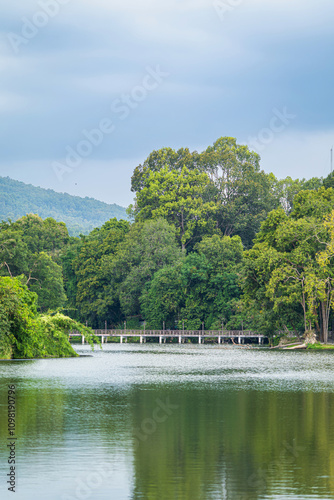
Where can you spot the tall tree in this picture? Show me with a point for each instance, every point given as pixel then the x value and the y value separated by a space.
pixel 289 266
pixel 32 247
pixel 178 197
pixel 164 158
pixel 243 192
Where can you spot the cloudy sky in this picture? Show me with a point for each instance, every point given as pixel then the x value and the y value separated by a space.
pixel 89 88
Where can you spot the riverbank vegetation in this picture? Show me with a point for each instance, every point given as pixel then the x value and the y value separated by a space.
pixel 26 334
pixel 212 239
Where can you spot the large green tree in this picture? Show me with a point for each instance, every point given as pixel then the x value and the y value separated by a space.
pixel 164 158
pixel 288 272
pixel 243 193
pixel 233 195
pixel 178 197
pixel 32 247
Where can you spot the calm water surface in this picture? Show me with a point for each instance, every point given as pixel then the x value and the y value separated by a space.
pixel 164 422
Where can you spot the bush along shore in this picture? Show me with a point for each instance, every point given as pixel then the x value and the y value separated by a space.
pixel 26 334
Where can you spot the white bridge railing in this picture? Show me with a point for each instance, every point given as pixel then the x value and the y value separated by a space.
pixel 172 333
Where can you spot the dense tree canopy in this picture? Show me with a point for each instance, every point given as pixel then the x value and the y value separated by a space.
pixel 220 190
pixel 289 271
pixel 200 288
pixel 31 247
pixel 213 241
pixel 26 334
pixel 178 196
pixel 84 264
pixel 148 247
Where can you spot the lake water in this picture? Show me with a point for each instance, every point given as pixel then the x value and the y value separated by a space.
pixel 165 422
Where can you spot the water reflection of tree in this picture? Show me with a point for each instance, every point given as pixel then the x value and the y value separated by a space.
pixel 234 445
pixel 48 415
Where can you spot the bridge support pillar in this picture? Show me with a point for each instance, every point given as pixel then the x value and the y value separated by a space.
pixel 219 340
pixel 160 339
pixel 239 340
pixel 180 339
pixel 82 340
pixel 102 339
pixel 121 339
pixel 141 339
pixel 164 340
pixel 199 340
pixel 260 340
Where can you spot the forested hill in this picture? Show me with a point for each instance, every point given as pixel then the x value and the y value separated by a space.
pixel 81 215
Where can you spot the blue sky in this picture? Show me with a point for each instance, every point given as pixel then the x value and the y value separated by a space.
pixel 89 88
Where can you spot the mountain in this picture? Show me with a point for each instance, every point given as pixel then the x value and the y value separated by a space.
pixel 81 215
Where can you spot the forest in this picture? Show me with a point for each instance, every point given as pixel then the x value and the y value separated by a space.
pixel 81 215
pixel 211 239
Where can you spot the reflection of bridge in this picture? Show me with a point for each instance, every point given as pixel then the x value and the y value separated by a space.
pixel 163 335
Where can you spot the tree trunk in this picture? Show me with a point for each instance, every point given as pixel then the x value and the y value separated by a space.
pixel 303 303
pixel 324 314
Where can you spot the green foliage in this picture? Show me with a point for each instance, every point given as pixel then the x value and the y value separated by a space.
pixel 164 158
pixel 201 287
pixel 329 181
pixel 48 283
pixel 314 204
pixel 148 247
pixel 242 192
pixel 162 298
pixel 31 247
pixel 181 259
pixel 24 333
pixel 221 190
pixel 288 273
pixel 40 235
pixel 81 215
pixel 54 331
pixel 17 312
pixel 318 346
pixel 286 189
pixel 177 196
pixel 86 264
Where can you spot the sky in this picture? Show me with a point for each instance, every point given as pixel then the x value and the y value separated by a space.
pixel 89 88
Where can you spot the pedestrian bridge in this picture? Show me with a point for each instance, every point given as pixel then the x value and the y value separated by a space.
pixel 163 336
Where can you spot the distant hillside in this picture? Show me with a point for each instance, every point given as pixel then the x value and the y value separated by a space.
pixel 81 215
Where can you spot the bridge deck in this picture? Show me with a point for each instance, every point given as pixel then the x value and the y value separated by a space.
pixel 173 333
pixel 163 335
